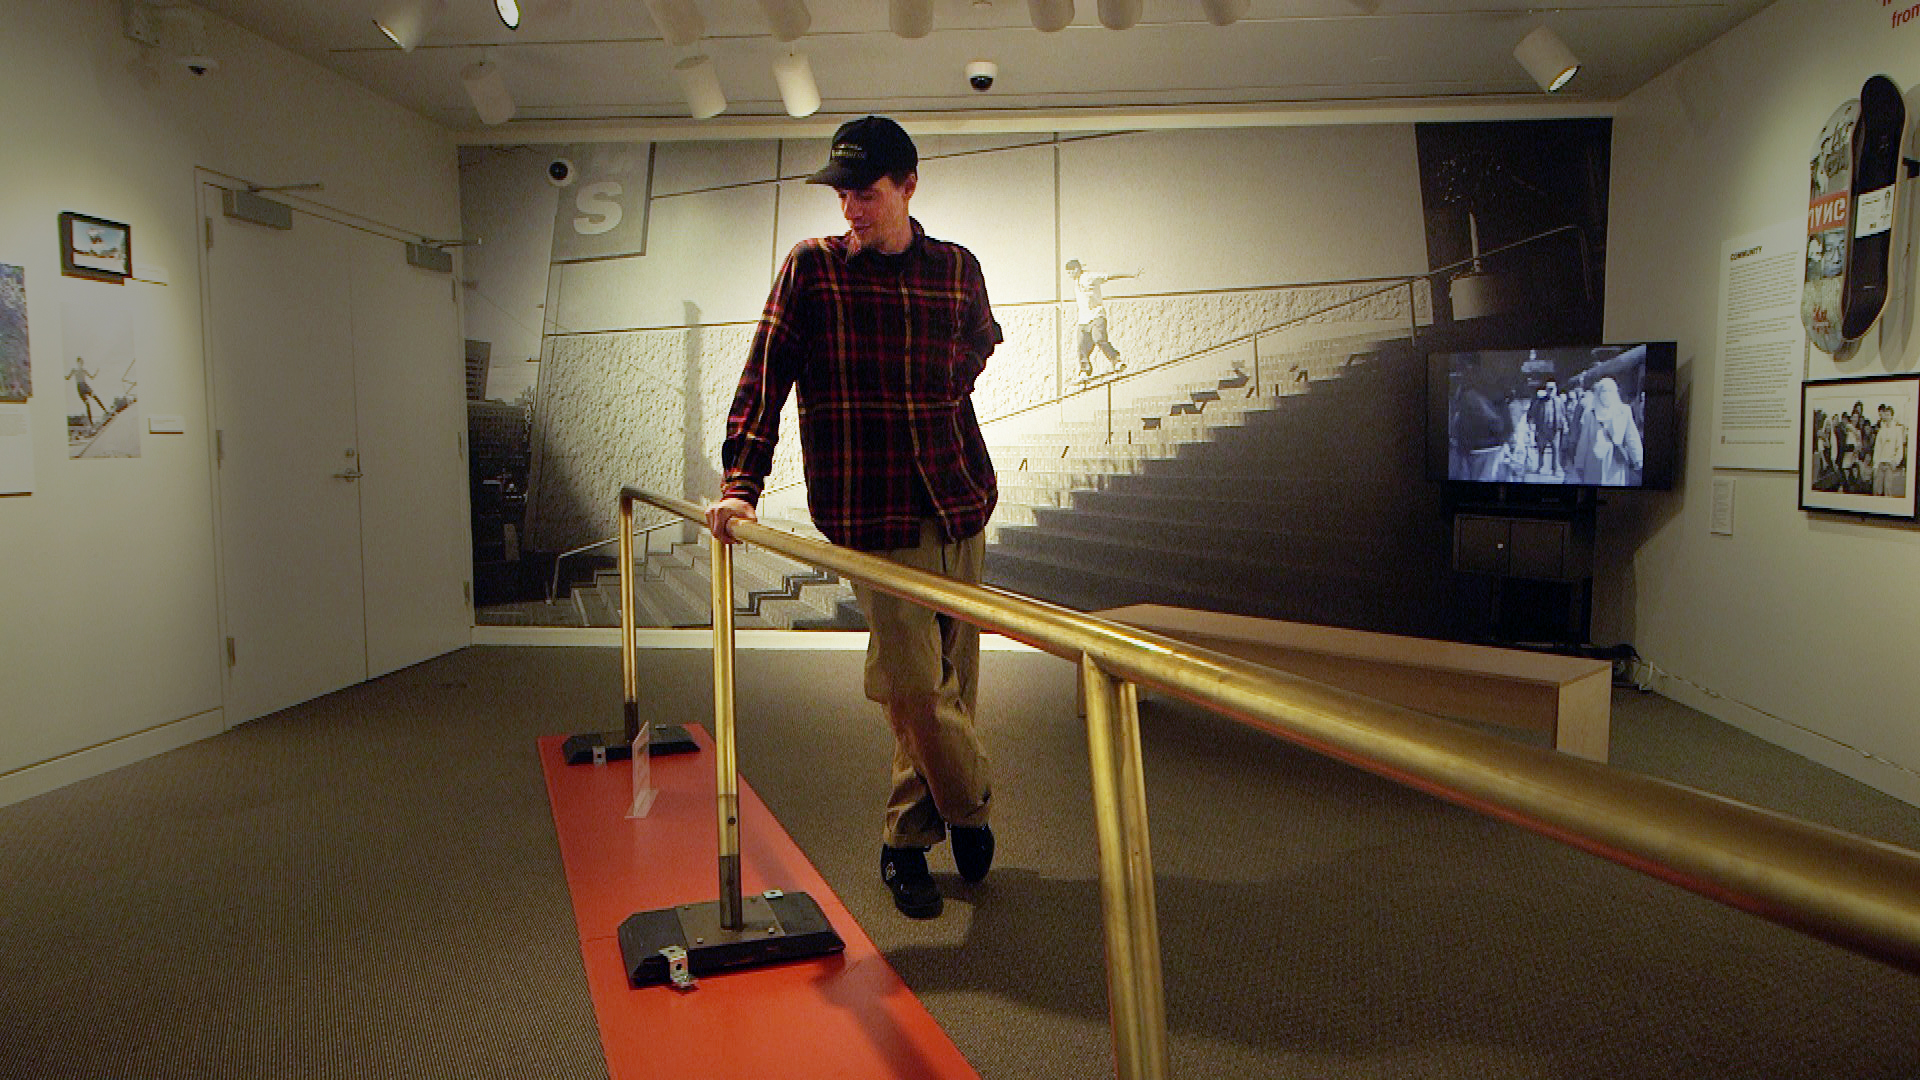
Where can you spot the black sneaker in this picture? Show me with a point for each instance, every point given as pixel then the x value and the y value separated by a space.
pixel 972 850
pixel 905 872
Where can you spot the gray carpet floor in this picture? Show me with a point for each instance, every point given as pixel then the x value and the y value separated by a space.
pixel 368 886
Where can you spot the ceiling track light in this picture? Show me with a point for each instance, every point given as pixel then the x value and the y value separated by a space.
pixel 678 21
pixel 406 22
pixel 488 89
pixel 700 83
pixel 1547 59
pixel 1119 14
pixel 788 19
pixel 798 92
pixel 509 12
pixel 1050 15
pixel 1225 12
pixel 910 18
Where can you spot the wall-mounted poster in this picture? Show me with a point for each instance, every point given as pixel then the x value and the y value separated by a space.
pixel 16 385
pixel 16 367
pixel 95 248
pixel 1856 446
pixel 16 449
pixel 99 369
pixel 1762 349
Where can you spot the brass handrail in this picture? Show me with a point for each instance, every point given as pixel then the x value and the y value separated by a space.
pixel 1850 891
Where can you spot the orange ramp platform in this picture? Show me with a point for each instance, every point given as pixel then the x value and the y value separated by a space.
pixel 847 1015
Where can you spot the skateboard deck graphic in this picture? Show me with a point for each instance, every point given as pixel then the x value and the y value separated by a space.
pixel 1829 229
pixel 1877 139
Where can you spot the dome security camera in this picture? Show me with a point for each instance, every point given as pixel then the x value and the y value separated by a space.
pixel 980 74
pixel 560 172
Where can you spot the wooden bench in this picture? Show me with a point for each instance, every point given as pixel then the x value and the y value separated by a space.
pixel 1569 699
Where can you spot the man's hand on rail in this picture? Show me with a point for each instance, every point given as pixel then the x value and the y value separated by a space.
pixel 720 516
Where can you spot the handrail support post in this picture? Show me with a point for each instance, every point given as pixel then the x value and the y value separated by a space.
pixel 629 674
pixel 726 769
pixel 1136 998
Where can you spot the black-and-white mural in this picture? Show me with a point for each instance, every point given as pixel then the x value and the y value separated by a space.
pixel 1254 304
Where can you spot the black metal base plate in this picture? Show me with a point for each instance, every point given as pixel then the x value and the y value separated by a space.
pixel 778 927
pixel 667 739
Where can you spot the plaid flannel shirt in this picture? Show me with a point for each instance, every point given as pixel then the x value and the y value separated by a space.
pixel 884 350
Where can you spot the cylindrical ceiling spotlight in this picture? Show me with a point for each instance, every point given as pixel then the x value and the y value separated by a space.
pixel 1547 59
pixel 509 12
pixel 701 85
pixel 677 20
pixel 798 92
pixel 910 18
pixel 1119 14
pixel 1050 15
pixel 1225 12
pixel 788 19
pixel 488 89
pixel 406 22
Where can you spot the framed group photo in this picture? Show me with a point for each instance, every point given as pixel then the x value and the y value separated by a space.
pixel 1856 446
pixel 95 248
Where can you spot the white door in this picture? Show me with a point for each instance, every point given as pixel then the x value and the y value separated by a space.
pixel 280 339
pixel 410 382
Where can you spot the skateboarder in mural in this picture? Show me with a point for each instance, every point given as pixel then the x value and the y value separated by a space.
pixel 1093 317
pixel 79 374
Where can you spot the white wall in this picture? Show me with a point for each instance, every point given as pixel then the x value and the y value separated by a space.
pixel 109 620
pixel 1799 628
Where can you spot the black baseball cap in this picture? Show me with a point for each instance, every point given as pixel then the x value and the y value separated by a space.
pixel 865 150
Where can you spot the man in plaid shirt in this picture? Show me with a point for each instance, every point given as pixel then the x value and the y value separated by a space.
pixel 884 330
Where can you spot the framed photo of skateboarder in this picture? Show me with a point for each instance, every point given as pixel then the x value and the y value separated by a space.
pixel 95 248
pixel 1856 446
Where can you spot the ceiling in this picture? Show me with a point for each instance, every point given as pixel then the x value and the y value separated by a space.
pixel 575 66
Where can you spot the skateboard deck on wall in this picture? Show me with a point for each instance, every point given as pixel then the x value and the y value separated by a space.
pixel 1877 150
pixel 1829 229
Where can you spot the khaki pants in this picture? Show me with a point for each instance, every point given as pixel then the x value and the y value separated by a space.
pixel 924 670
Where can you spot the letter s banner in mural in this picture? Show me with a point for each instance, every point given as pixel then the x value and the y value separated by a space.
pixel 604 194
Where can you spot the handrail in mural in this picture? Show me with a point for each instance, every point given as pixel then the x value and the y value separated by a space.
pixel 1392 285
pixel 1844 889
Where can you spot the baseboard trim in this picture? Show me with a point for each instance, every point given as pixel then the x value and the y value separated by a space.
pixel 39 778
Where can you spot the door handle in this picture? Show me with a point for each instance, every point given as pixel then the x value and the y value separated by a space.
pixel 350 474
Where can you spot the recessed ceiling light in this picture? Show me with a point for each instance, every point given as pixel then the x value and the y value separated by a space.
pixel 509 12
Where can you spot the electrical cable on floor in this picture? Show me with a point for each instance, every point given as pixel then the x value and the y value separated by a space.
pixel 1647 676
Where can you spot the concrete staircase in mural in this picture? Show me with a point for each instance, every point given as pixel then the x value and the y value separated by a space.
pixel 1299 495
pixel 1291 488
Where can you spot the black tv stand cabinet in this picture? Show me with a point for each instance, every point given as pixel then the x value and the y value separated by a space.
pixel 1534 561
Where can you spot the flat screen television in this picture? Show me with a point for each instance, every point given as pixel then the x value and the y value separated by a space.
pixel 1573 416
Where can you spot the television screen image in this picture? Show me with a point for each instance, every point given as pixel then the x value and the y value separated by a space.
pixel 1599 416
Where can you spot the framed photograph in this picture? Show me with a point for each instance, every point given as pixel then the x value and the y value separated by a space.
pixel 95 248
pixel 1856 446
